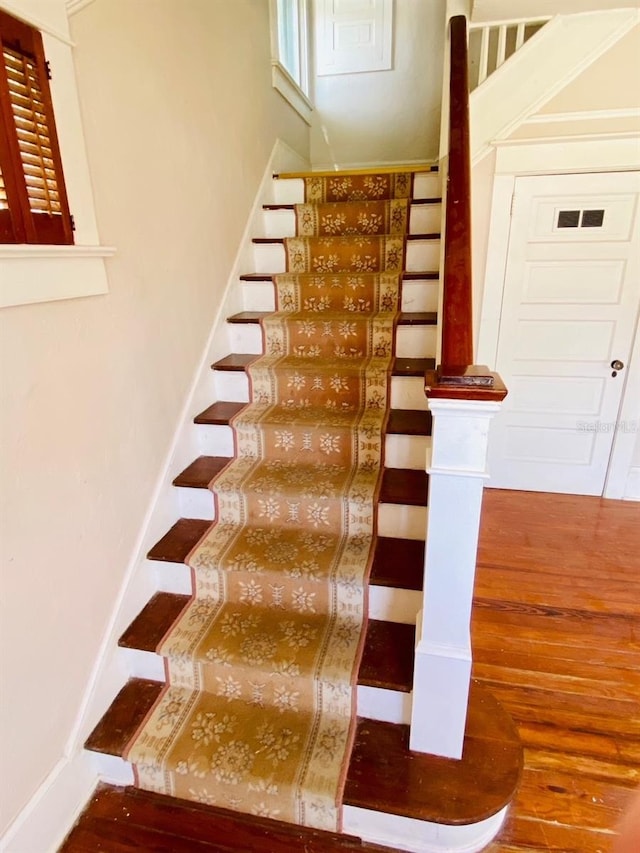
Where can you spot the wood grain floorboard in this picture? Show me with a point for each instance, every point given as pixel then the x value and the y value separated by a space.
pixel 556 637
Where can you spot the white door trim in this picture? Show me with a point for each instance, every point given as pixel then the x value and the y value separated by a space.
pixel 531 159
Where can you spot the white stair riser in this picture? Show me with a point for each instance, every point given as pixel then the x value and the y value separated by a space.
pixel 375 703
pixel 291 190
pixel 407 392
pixel 420 836
pixel 421 255
pixel 418 295
pixel 401 521
pixel 407 451
pixel 411 341
pixel 196 503
pixel 394 605
pixel 407 522
pixel 423 219
pixel 401 451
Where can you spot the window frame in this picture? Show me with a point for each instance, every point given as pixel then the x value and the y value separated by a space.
pixel 20 223
pixel 295 91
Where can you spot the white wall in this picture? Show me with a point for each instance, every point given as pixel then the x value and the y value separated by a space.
pixel 386 116
pixel 497 10
pixel 590 125
pixel 180 119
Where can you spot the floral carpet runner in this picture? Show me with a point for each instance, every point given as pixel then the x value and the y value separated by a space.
pixel 259 713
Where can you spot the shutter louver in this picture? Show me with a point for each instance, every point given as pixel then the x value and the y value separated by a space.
pixel 34 191
pixel 4 204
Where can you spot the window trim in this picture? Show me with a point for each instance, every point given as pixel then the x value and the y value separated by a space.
pixel 297 94
pixel 27 224
pixel 31 273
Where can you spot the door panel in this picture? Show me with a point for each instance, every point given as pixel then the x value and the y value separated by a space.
pixel 569 309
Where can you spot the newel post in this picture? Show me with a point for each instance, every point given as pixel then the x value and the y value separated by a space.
pixel 462 404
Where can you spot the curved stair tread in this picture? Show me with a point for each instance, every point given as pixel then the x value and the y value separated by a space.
pixel 384 775
pixel 387 659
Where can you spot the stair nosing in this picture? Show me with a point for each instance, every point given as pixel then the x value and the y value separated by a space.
pixel 401 366
pixel 292 207
pixel 279 241
pixel 413 275
pixel 406 318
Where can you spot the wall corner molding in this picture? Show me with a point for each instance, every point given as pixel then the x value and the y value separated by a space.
pixel 74 6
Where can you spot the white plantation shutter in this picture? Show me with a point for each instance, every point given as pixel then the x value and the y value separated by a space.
pixel 33 204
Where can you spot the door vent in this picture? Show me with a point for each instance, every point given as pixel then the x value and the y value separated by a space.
pixel 580 218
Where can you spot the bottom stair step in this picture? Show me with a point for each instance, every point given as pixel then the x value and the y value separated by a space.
pixel 129 820
pixel 384 776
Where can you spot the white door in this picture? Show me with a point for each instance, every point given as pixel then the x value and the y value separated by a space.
pixel 569 311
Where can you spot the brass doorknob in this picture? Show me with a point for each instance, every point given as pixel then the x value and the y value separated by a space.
pixel 616 364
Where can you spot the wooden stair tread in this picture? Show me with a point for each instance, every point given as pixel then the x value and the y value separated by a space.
pixel 409 422
pixel 235 361
pixel 413 366
pixel 274 241
pixel 383 774
pixel 416 168
pixel 123 717
pixel 201 472
pixel 219 413
pixel 398 563
pixel 175 545
pixel 401 421
pixel 387 657
pixel 386 776
pixel 427 275
pixel 401 366
pixel 154 620
pixel 130 820
pixel 404 486
pixel 407 318
pixel 412 201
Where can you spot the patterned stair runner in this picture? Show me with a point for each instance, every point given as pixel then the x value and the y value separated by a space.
pixel 259 711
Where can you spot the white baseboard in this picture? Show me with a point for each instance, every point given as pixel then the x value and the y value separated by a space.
pixel 42 826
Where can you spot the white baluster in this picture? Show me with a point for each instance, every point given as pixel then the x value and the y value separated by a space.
pixel 484 55
pixel 502 45
pixel 520 35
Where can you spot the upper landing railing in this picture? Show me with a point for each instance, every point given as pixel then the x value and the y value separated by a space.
pixel 491 43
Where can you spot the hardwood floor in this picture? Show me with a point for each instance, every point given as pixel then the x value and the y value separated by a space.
pixel 556 635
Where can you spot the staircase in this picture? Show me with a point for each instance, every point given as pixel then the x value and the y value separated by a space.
pixel 392 795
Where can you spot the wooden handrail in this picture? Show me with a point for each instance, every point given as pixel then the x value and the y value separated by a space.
pixel 457 323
